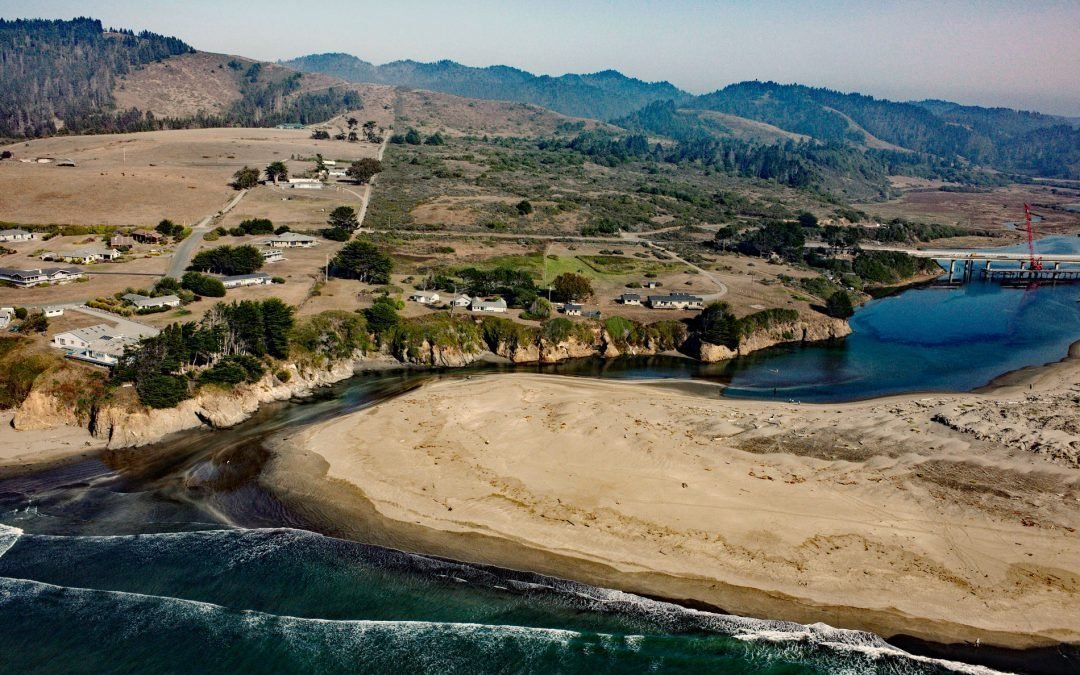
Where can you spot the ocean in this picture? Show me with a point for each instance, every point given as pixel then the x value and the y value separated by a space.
pixel 175 558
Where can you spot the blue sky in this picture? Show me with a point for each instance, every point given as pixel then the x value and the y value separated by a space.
pixel 1016 53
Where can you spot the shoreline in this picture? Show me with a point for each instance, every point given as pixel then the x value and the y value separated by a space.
pixel 316 471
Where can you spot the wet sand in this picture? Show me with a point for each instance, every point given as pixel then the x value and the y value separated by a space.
pixel 947 517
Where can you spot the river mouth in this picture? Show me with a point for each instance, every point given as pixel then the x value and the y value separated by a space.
pixel 204 481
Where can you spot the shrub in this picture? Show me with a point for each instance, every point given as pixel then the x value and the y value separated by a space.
pixel 765 319
pixel 200 284
pixel 257 226
pixel 498 331
pixel 283 375
pixel 839 305
pixel 335 234
pixel 233 370
pixel 333 334
pixel 162 391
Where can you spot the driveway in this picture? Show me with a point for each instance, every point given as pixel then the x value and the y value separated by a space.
pixel 181 257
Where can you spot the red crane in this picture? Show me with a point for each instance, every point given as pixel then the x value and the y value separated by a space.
pixel 1036 263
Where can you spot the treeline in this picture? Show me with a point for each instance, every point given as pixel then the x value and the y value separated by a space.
pixel 67 70
pixel 1008 140
pixel 226 347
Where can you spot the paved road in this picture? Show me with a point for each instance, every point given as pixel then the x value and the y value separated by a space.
pixel 721 287
pixel 182 255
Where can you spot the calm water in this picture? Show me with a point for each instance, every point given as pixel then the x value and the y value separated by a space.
pixel 175 558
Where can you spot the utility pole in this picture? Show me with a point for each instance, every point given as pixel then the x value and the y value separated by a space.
pixel 326 269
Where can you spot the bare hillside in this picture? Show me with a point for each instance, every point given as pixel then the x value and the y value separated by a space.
pixel 184 85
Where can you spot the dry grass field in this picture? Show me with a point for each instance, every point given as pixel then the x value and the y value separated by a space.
pixel 138 179
pixel 984 210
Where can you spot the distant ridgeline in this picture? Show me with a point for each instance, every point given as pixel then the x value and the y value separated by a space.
pixel 933 139
pixel 59 77
pixel 604 95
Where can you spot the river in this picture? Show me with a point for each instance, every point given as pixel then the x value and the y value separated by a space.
pixel 177 556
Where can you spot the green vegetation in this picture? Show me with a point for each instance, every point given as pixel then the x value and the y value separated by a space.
pixel 839 305
pixel 19 368
pixel 228 260
pixel 382 316
pixel 363 260
pixel 570 287
pixel 200 284
pixel 886 267
pixel 408 338
pixel 233 370
pixel 257 226
pixel 245 178
pixel 363 170
pixel 501 332
pixel 343 217
pixel 160 365
pixel 276 171
pixel 329 336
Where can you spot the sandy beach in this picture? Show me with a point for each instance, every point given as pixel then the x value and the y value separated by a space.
pixel 947 517
pixel 25 450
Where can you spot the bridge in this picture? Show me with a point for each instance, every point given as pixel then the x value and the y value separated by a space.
pixel 1009 267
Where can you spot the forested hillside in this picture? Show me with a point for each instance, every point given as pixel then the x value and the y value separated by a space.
pixel 63 76
pixel 604 95
pixel 1008 140
pixel 66 70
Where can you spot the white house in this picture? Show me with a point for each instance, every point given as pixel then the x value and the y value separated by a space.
pixel 336 173
pixel 52 310
pixel 7 314
pixel 291 240
pixel 461 301
pixel 425 298
pixel 16 235
pixel 478 305
pixel 84 256
pixel 42 275
pixel 630 299
pixel 256 279
pixel 143 302
pixel 272 255
pixel 570 309
pixel 650 283
pixel 306 183
pixel 102 345
pixel 676 301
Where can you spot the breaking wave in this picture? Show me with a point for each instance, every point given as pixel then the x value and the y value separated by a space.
pixel 291 600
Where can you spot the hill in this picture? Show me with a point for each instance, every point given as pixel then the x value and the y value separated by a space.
pixel 54 74
pixel 604 95
pixel 76 77
pixel 1008 140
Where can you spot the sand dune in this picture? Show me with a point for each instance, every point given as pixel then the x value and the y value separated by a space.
pixel 874 515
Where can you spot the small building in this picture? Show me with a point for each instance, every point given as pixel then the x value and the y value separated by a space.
pixel 256 279
pixel 630 299
pixel 478 305
pixel 591 313
pixel 143 302
pixel 571 309
pixel 650 283
pixel 676 301
pixel 85 256
pixel 291 240
pixel 66 162
pixel 329 162
pixel 102 344
pixel 119 240
pixel 16 235
pixel 337 173
pixel 461 301
pixel 147 236
pixel 272 255
pixel 7 315
pixel 51 311
pixel 42 275
pixel 290 125
pixel 306 183
pixel 424 298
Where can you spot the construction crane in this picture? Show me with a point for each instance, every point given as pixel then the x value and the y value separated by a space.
pixel 1036 263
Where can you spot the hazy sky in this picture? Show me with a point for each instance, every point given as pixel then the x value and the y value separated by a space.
pixel 1016 53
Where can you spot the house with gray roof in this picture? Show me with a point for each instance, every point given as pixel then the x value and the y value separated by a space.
pixel 41 275
pixel 676 301
pixel 479 305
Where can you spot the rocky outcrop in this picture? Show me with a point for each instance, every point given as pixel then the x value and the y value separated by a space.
pixel 437 356
pixel 42 410
pixel 797 331
pixel 126 425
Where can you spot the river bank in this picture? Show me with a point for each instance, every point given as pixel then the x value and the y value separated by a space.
pixel 876 515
